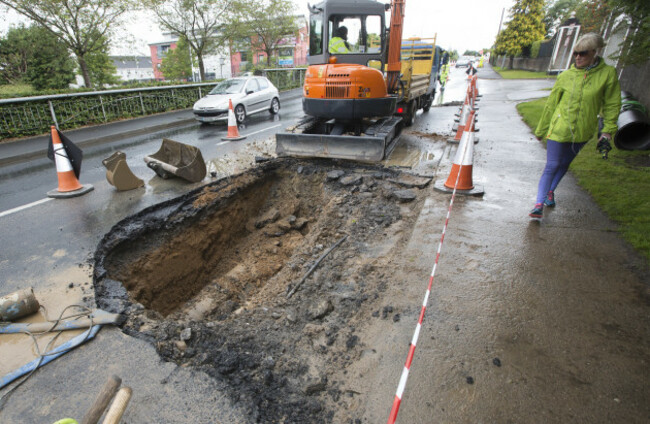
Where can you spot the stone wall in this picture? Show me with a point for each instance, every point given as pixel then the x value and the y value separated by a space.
pixel 539 64
pixel 635 79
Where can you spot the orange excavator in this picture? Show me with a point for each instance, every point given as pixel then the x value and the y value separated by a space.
pixel 352 85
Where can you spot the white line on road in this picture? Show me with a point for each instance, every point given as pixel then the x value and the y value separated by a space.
pixel 265 129
pixel 23 207
pixel 253 133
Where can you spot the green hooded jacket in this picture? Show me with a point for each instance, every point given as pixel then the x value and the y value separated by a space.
pixel 578 97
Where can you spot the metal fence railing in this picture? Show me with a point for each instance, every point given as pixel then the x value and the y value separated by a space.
pixel 27 116
pixel 286 78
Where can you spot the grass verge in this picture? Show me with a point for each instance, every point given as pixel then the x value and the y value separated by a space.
pixel 521 74
pixel 620 185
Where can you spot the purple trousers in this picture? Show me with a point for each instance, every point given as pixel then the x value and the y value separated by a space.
pixel 558 158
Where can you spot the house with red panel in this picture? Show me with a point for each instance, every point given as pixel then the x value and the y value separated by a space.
pixel 291 52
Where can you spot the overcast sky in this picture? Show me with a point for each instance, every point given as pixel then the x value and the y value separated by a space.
pixel 459 24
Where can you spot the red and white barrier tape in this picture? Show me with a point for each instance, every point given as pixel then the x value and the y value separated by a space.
pixel 407 366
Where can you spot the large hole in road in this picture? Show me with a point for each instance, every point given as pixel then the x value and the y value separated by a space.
pixel 206 277
pixel 244 236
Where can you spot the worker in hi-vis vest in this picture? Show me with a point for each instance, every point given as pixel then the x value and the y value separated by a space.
pixel 338 43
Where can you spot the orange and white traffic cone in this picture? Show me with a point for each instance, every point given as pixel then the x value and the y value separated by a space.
pixel 467 114
pixel 233 131
pixel 460 176
pixel 69 185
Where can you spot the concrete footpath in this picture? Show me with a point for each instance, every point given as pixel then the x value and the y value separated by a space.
pixel 528 321
pixel 32 147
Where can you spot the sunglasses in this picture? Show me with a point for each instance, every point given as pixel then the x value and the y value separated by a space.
pixel 582 53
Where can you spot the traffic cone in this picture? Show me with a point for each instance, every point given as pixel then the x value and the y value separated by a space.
pixel 233 131
pixel 460 175
pixel 69 185
pixel 463 124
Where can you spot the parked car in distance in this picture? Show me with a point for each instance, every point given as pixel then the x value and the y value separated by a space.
pixel 249 95
pixel 463 61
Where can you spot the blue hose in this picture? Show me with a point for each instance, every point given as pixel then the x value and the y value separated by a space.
pixel 50 356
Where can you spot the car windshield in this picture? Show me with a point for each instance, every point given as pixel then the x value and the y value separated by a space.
pixel 229 87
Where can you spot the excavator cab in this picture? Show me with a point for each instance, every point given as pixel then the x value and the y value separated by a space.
pixel 362 21
pixel 346 55
pixel 349 110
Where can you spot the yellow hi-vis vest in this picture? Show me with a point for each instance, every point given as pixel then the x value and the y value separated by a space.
pixel 444 72
pixel 337 45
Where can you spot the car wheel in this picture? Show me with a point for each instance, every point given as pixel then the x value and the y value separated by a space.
pixel 240 114
pixel 275 106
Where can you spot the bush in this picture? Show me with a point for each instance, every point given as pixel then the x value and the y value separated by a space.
pixel 534 49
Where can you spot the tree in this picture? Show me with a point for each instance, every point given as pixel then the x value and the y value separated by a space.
pixel 471 53
pixel 636 49
pixel 267 22
pixel 200 22
pixel 82 25
pixel 15 51
pixel 47 67
pixel 51 65
pixel 592 15
pixel 556 12
pixel 101 69
pixel 176 64
pixel 524 28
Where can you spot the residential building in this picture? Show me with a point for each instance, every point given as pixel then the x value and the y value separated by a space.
pixel 133 68
pixel 216 66
pixel 292 51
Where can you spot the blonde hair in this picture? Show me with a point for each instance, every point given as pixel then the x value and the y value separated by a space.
pixel 589 41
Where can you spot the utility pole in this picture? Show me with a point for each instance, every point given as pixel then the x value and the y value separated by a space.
pixel 503 11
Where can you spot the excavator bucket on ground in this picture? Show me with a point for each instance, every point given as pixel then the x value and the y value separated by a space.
pixel 177 159
pixel 119 174
pixel 314 137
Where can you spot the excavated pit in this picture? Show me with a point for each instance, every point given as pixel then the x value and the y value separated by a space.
pixel 206 278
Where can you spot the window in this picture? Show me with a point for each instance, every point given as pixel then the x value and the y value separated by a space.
pixel 316 34
pixel 230 86
pixel 162 50
pixel 264 84
pixel 252 85
pixel 361 34
pixel 373 31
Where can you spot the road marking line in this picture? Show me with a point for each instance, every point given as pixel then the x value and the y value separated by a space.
pixel 20 208
pixel 265 129
pixel 253 133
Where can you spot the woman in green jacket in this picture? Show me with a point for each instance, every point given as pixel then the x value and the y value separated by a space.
pixel 570 118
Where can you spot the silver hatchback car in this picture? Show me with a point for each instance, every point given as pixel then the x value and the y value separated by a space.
pixel 249 95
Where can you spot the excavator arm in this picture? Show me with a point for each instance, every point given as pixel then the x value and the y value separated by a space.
pixel 393 65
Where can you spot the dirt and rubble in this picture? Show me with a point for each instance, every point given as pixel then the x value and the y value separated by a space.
pixel 211 278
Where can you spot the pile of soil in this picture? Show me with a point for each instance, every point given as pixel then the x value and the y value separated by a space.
pixel 218 279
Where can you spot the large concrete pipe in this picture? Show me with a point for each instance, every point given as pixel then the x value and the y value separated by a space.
pixel 633 125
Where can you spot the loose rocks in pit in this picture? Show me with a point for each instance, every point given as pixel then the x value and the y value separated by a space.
pixel 205 277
